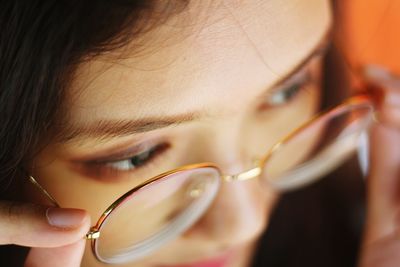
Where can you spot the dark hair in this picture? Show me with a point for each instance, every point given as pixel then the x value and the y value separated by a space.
pixel 41 43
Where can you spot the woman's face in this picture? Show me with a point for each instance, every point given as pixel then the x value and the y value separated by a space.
pixel 220 82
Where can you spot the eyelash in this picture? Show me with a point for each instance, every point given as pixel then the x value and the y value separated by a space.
pixel 113 168
pixel 150 156
pixel 137 160
pixel 289 92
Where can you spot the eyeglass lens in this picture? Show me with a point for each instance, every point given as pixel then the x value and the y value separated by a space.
pixel 155 214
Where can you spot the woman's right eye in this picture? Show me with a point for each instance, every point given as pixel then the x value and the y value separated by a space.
pixel 136 161
pixel 131 163
pixel 127 163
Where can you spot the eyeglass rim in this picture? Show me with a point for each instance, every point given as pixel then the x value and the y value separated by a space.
pixel 103 218
pixel 141 186
pixel 94 233
pixel 363 99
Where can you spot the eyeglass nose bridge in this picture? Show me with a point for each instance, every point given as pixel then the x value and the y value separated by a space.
pixel 243 176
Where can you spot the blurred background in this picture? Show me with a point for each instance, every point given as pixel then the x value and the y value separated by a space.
pixel 321 225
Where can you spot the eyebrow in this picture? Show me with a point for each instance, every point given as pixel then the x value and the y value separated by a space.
pixel 319 50
pixel 103 129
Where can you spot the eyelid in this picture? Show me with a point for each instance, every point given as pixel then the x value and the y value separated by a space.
pixel 124 154
pixel 300 77
pixel 102 172
pixel 153 153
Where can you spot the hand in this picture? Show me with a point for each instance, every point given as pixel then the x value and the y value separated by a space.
pixel 55 235
pixel 381 246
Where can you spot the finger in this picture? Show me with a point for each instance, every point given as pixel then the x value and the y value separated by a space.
pixel 66 256
pixel 384 253
pixel 389 85
pixel 383 181
pixel 38 226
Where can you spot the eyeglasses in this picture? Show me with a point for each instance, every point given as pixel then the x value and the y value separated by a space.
pixel 166 205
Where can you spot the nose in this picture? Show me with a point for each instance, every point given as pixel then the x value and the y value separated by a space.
pixel 238 215
pixel 241 209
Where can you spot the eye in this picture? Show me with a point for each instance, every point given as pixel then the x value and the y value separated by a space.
pixel 289 91
pixel 139 160
pixel 284 96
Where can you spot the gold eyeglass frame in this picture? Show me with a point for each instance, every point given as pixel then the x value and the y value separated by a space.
pixel 94 233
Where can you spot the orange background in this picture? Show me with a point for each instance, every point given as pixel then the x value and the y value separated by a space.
pixel 369 32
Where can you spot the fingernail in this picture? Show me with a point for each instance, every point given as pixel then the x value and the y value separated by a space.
pixel 387 83
pixel 65 218
pixel 376 72
pixel 381 77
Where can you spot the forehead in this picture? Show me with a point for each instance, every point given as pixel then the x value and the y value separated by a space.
pixel 206 57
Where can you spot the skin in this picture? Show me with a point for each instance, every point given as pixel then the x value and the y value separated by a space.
pixel 218 65
pixel 218 59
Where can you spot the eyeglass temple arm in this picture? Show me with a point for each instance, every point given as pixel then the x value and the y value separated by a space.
pixel 92 234
pixel 43 191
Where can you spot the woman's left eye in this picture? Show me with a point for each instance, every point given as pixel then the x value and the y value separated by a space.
pixel 137 160
pixel 284 96
pixel 289 91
